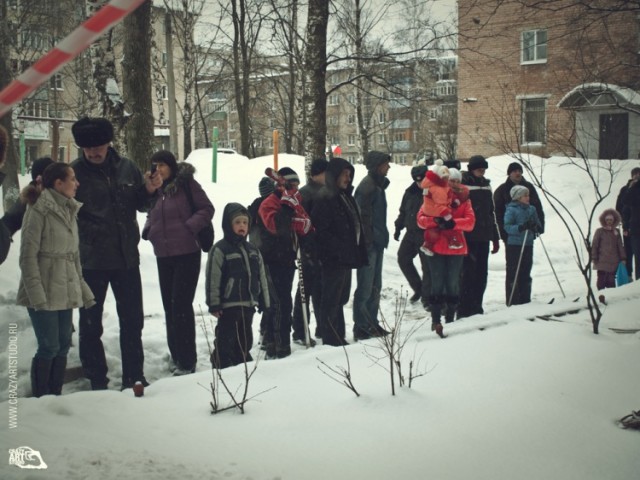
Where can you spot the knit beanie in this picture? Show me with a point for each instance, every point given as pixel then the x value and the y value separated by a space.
pixel 92 132
pixel 513 167
pixel 374 159
pixel 452 164
pixel 440 169
pixel 477 161
pixel 318 166
pixel 454 174
pixel 39 166
pixel 518 191
pixel 289 174
pixel 266 186
pixel 418 173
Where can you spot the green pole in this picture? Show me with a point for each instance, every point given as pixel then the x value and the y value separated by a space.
pixel 214 163
pixel 23 160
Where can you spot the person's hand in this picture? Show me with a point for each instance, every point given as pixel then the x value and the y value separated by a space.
pixel 495 246
pixel 396 235
pixel 290 199
pixel 301 225
pixel 152 182
pixel 446 224
pixel 625 233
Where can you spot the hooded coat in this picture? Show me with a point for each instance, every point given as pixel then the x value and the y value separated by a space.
pixel 235 274
pixel 49 257
pixel 607 250
pixel 172 227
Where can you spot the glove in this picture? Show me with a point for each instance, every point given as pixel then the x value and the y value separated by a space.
pixel 439 221
pixel 301 225
pixel 495 246
pixel 291 199
pixel 396 235
pixel 446 224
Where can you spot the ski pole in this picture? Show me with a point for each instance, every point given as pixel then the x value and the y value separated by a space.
pixel 303 297
pixel 551 265
pixel 515 280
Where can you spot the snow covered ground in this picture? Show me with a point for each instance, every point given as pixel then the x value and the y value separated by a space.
pixel 503 397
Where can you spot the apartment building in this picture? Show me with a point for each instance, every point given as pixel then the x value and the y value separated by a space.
pixel 546 78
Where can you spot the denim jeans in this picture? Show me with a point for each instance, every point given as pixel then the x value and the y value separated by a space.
pixel 53 329
pixel 366 298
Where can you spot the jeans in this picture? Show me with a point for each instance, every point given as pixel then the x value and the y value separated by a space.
pixel 366 298
pixel 127 290
pixel 409 248
pixel 178 277
pixel 445 276
pixel 53 329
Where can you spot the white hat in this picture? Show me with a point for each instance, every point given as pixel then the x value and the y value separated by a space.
pixel 440 169
pixel 454 174
pixel 518 191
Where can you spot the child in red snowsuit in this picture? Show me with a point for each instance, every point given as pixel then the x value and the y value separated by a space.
pixel 438 202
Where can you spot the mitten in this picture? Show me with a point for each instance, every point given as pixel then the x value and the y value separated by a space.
pixel 448 224
pixel 396 235
pixel 301 225
pixel 290 199
pixel 495 246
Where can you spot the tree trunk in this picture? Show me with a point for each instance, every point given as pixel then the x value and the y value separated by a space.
pixel 136 79
pixel 315 97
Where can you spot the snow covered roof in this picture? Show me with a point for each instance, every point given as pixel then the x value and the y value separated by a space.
pixel 593 95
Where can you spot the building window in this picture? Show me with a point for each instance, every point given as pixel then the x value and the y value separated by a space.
pixel 382 117
pixel 534 121
pixel 381 139
pixel 433 114
pixel 334 100
pixel 351 140
pixel 164 59
pixel 534 46
pixel 55 82
pixel 162 93
pixel 398 136
pixel 351 119
pixel 333 120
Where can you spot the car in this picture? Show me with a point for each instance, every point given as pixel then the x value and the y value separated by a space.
pixel 227 151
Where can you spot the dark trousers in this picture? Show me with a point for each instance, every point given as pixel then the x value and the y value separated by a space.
pixel 605 280
pixel 178 277
pixel 628 250
pixel 127 290
pixel 407 251
pixel 336 288
pixel 474 279
pixel 522 291
pixel 234 337
pixel 366 298
pixel 635 246
pixel 311 273
pixel 445 285
pixel 278 321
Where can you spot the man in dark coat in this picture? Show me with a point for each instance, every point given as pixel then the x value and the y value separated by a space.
pixel 626 237
pixel 341 246
pixel 112 189
pixel 372 201
pixel 413 238
pixel 5 234
pixel 310 265
pixel 484 234
pixel 632 219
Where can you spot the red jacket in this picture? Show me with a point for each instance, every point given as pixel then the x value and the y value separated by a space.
pixel 464 219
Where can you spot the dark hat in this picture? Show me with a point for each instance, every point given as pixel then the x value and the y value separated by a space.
pixel 477 161
pixel 513 167
pixel 92 132
pixel 166 157
pixel 418 173
pixel 374 159
pixel 452 164
pixel 39 165
pixel 318 166
pixel 266 186
pixel 289 174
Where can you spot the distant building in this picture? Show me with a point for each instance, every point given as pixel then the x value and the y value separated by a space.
pixel 548 78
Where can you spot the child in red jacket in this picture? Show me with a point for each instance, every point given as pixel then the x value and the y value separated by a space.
pixel 439 202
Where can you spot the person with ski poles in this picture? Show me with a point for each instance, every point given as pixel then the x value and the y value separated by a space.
pixel 446 262
pixel 522 224
pixel 285 220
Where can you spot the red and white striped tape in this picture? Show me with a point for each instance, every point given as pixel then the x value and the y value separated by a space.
pixel 68 49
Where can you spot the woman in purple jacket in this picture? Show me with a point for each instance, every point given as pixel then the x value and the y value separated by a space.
pixel 172 227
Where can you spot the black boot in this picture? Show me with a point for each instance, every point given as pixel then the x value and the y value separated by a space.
pixel 452 305
pixel 436 312
pixel 56 379
pixel 40 373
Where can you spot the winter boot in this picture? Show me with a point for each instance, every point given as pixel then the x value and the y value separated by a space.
pixel 40 373
pixel 452 306
pixel 56 379
pixel 436 311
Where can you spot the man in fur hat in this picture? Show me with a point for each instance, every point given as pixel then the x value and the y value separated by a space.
pixel 112 189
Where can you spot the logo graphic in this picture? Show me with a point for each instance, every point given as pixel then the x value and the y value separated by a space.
pixel 26 457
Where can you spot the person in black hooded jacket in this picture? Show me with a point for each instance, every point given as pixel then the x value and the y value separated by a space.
pixel 341 246
pixel 236 283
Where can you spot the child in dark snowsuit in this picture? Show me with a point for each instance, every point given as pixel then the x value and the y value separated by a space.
pixel 236 283
pixel 607 250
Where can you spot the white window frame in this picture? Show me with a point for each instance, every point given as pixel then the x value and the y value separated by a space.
pixel 539 50
pixel 381 139
pixel 382 117
pixel 351 140
pixel 55 82
pixel 334 100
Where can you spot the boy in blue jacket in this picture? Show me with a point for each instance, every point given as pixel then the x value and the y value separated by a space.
pixel 522 225
pixel 236 283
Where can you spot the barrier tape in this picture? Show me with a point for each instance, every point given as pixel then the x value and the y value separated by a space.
pixel 65 51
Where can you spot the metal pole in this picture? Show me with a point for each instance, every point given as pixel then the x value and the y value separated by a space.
pixel 214 159
pixel 551 265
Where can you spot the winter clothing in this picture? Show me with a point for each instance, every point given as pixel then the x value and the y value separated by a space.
pixel 518 191
pixel 626 237
pixel 266 187
pixel 5 236
pixel 412 241
pixel 111 192
pixel 341 248
pixel 318 166
pixel 418 172
pixel 502 197
pixel 289 174
pixel 455 174
pixel 607 250
pixel 92 132
pixel 522 226
pixel 477 161
pixel 476 264
pixel 236 283
pixel 513 166
pixel 631 221
pixel 372 201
